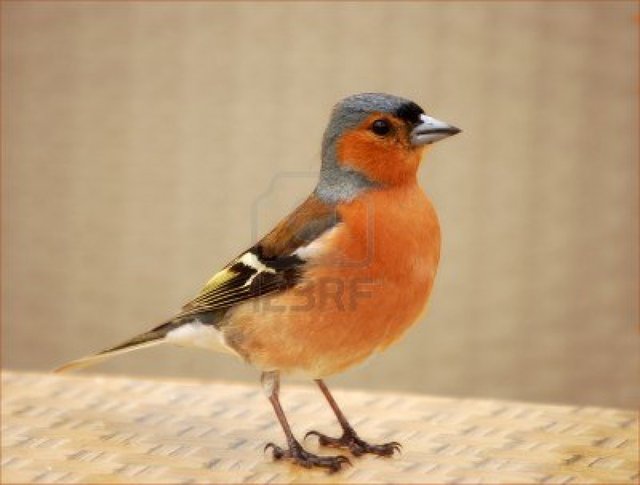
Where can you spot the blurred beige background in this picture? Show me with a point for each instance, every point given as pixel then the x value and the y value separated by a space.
pixel 145 144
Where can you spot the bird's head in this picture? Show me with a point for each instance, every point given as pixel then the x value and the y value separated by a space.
pixel 374 139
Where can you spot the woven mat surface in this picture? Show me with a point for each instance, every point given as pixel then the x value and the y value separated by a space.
pixel 118 430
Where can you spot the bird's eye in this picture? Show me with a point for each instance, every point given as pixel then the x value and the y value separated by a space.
pixel 381 127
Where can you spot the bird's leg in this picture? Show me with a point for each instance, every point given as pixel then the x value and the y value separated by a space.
pixel 349 438
pixel 295 453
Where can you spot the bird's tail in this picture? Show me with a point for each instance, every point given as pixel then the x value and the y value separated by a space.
pixel 147 339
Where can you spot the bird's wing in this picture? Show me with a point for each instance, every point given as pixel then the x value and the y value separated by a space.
pixel 274 264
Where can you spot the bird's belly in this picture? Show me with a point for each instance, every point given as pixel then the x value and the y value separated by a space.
pixel 326 326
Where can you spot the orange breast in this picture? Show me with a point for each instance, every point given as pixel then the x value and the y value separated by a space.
pixel 368 286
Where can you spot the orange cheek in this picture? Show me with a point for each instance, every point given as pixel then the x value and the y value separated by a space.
pixel 385 161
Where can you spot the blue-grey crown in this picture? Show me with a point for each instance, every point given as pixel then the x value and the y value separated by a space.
pixel 350 112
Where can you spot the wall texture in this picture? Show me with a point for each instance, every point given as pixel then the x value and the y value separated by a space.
pixel 145 144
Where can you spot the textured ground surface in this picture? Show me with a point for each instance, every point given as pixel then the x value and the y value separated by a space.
pixel 94 429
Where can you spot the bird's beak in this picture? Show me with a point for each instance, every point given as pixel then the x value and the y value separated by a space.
pixel 431 130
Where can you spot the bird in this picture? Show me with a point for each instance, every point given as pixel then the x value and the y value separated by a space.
pixel 335 282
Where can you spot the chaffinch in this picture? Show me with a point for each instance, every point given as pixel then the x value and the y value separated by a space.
pixel 342 277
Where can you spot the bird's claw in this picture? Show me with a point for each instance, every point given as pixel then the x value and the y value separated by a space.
pixel 358 447
pixel 299 456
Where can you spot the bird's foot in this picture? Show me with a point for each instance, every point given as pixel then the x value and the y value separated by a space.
pixel 299 456
pixel 351 441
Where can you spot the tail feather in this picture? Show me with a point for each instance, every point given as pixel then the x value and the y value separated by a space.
pixel 148 339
